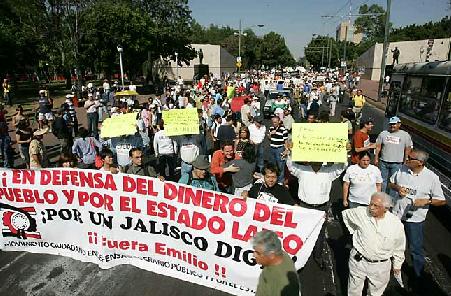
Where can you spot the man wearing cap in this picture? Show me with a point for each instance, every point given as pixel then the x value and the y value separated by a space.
pixel 257 132
pixel 45 110
pixel 38 153
pixel 200 176
pixel 361 140
pixel 70 109
pixel 392 148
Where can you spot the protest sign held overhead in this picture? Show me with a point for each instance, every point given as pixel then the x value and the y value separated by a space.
pixel 320 142
pixel 120 125
pixel 181 122
pixel 176 230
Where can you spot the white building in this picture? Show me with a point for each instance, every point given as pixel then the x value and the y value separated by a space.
pixel 343 33
pixel 217 58
pixel 428 50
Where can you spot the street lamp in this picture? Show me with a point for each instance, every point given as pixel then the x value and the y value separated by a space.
pixel 239 33
pixel 121 50
pixel 176 65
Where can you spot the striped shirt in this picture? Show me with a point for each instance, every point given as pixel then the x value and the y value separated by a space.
pixel 279 137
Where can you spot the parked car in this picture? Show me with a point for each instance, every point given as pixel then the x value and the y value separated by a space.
pixel 288 92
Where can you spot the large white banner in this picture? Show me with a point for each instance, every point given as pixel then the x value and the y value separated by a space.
pixel 172 229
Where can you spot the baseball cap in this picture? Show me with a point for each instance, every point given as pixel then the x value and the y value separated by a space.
pixel 394 119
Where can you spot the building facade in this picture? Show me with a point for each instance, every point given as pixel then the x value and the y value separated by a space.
pixel 418 51
pixel 343 33
pixel 217 58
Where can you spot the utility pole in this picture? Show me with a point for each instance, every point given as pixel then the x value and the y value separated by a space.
pixel 239 39
pixel 385 49
pixel 330 51
pixel 346 35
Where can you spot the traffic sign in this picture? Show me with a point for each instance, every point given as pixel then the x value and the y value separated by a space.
pixel 238 64
pixel 238 59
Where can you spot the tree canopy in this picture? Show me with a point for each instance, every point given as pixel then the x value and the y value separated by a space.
pixel 84 34
pixel 269 50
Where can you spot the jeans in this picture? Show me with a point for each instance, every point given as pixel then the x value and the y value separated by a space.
pixel 103 112
pixel 259 157
pixel 277 157
pixel 24 151
pixel 169 160
pixel 358 114
pixel 5 145
pixel 333 105
pixel 8 99
pixel 387 170
pixel 93 122
pixel 414 234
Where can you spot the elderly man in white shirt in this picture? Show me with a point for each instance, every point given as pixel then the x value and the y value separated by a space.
pixel 377 237
pixel 257 133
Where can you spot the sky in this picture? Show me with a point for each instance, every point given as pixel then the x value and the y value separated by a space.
pixel 297 20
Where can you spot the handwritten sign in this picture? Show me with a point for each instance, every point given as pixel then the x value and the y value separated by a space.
pixel 322 142
pixel 181 122
pixel 124 124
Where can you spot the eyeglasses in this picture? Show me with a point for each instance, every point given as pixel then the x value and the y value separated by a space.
pixel 412 158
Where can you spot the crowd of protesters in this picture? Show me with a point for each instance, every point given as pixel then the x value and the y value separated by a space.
pixel 238 152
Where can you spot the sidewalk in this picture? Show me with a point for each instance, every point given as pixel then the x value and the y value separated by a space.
pixel 370 91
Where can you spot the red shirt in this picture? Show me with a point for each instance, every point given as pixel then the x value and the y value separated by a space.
pixel 217 161
pixel 359 140
pixel 237 103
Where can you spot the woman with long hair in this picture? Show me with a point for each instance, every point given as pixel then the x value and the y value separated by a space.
pixel 242 140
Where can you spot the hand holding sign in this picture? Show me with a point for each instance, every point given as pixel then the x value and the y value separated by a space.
pixel 320 142
pixel 181 122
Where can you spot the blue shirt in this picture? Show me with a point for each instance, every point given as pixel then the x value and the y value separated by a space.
pixel 211 184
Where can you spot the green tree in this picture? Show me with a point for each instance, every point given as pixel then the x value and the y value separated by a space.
pixel 274 51
pixel 314 51
pixel 22 31
pixel 146 30
pixel 372 26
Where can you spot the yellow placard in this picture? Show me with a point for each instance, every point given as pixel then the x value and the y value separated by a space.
pixel 120 125
pixel 181 122
pixel 320 142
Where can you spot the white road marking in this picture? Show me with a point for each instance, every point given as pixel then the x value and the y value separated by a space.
pixel 12 262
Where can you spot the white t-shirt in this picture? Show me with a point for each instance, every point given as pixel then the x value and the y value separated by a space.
pixel 425 184
pixel 362 182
